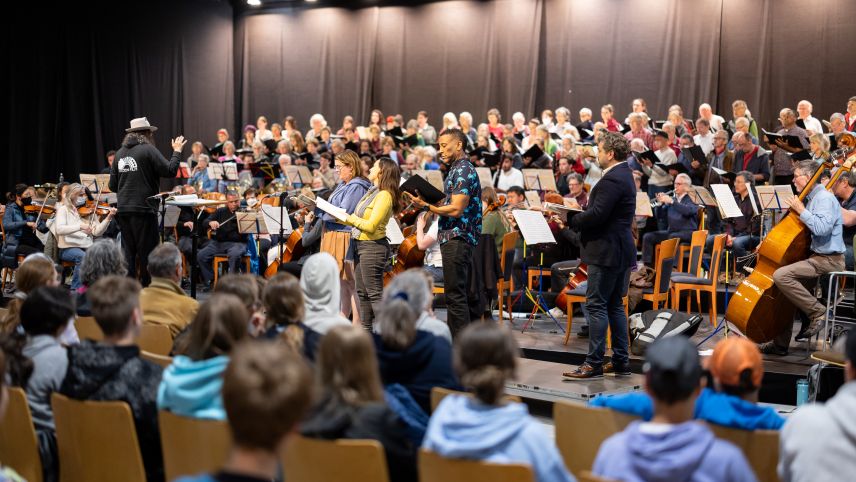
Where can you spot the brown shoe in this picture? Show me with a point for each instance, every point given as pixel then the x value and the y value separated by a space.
pixel 609 367
pixel 584 372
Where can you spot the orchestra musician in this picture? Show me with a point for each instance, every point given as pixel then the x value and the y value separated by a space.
pixel 199 176
pixel 493 221
pixel 225 240
pixel 681 218
pixel 369 246
pixel 20 226
pixel 135 178
pixel 75 233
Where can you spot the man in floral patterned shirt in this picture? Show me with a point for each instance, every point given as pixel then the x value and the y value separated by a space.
pixel 460 226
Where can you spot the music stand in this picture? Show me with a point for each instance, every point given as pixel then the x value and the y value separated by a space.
pixel 192 201
pixel 535 231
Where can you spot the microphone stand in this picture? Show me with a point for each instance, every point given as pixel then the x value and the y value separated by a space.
pixel 194 243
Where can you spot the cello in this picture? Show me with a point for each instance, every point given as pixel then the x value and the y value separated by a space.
pixel 580 276
pixel 758 308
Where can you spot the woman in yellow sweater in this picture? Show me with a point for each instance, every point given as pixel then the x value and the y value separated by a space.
pixel 371 248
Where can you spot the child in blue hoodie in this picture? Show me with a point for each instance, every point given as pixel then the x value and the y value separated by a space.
pixel 484 427
pixel 737 371
pixel 671 446
pixel 191 385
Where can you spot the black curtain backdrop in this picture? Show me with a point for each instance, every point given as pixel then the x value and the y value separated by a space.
pixel 194 66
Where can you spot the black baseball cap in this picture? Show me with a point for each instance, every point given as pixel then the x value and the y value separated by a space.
pixel 672 369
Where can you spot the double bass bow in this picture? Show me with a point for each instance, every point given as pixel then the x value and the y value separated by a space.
pixel 758 308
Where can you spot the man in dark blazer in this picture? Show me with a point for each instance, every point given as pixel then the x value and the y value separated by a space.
pixel 609 251
pixel 750 157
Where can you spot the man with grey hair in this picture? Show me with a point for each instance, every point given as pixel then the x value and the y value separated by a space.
pixel 681 216
pixel 812 125
pixel 465 120
pixel 164 302
pixel 783 171
pixel 837 124
pixel 822 216
pixel 412 287
pixel 586 126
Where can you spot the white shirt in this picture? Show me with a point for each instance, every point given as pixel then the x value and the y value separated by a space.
pixel 432 254
pixel 814 125
pixel 716 122
pixel 705 142
pixel 514 177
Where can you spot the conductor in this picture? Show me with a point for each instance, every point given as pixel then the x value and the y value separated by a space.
pixel 134 177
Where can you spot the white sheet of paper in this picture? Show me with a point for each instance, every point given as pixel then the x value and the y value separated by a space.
pixel 533 226
pixel 643 205
pixel 230 170
pixel 271 215
pixel 752 199
pixel 727 205
pixel 393 232
pixel 533 199
pixel 330 209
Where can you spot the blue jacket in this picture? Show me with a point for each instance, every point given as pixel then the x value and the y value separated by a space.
pixel 683 215
pixel 711 406
pixel 192 388
pixel 346 196
pixel 463 427
pixel 14 222
pixel 658 452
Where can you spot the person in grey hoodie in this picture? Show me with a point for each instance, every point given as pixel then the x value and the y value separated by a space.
pixel 319 282
pixel 486 427
pixel 818 442
pixel 44 316
pixel 672 446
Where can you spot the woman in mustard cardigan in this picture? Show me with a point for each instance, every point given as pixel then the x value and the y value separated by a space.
pixel 371 248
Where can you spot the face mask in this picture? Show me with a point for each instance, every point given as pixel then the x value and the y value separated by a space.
pixel 252 202
pixel 26 201
pixel 80 201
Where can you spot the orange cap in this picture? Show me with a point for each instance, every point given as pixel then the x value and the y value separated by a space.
pixel 731 356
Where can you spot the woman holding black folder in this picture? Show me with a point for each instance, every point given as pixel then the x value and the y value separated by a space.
pixel 369 246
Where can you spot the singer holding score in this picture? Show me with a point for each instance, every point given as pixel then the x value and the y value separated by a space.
pixel 607 247
pixel 135 177
pixel 460 226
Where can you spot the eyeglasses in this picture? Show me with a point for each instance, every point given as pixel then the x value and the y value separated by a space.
pixel 340 166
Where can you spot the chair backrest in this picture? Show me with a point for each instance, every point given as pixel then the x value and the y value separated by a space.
pixel 161 360
pixel 580 430
pixel 19 448
pixel 155 339
pixel 716 258
pixel 434 468
pixel 664 262
pixel 88 329
pixel 697 243
pixel 191 445
pixel 439 393
pixel 761 448
pixel 96 441
pixel 587 476
pixel 509 240
pixel 309 460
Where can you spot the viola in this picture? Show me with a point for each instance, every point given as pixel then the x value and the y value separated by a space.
pixel 580 275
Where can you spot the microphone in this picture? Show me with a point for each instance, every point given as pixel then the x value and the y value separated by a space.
pixel 60 178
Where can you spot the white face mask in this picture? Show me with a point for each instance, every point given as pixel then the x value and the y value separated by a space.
pixel 80 201
pixel 252 202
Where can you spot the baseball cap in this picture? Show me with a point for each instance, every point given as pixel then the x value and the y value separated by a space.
pixel 731 357
pixel 672 368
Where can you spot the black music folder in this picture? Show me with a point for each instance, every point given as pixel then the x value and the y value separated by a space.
pixel 492 158
pixel 802 155
pixel 395 132
pixel 534 153
pixel 411 140
pixel 694 153
pixel 419 186
pixel 792 141
pixel 648 155
pixel 672 167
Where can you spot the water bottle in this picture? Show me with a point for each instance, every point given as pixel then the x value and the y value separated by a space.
pixel 802 391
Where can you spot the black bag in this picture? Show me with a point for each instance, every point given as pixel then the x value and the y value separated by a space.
pixel 653 324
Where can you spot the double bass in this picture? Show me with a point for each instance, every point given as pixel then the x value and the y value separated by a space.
pixel 758 308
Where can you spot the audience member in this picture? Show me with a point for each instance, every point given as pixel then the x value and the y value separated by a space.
pixel 486 427
pixel 164 302
pixel 246 288
pixel 671 446
pixel 412 287
pixel 321 291
pixel 6 473
pixel 104 258
pixel 191 385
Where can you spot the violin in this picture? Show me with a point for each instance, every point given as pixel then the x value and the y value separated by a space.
pixel 39 208
pixel 102 209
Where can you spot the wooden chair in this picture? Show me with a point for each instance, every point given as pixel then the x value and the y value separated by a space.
pixel 218 260
pixel 192 446
pixel 698 284
pixel 312 460
pixel 434 468
pixel 695 250
pixel 581 429
pixel 19 447
pixel 161 360
pixel 505 285
pixel 587 476
pixel 761 448
pixel 664 261
pixel 156 339
pixel 439 393
pixel 96 441
pixel 88 329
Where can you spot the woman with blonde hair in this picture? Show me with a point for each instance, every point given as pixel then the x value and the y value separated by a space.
pixel 336 237
pixel 819 145
pixel 36 270
pixel 74 233
pixel 352 400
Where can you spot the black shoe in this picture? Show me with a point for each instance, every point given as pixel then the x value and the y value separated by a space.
pixel 770 348
pixel 619 369
pixel 584 332
pixel 584 372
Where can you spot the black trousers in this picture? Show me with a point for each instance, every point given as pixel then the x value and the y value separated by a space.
pixel 370 259
pixel 139 238
pixel 457 267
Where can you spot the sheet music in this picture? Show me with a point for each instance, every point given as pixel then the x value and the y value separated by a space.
pixel 305 174
pixel 215 171
pixel 533 226
pixel 752 199
pixel 271 216
pixel 704 196
pixel 547 181
pixel 171 217
pixel 230 170
pixel 393 232
pixel 532 199
pixel 485 177
pixel 561 209
pixel 96 181
pixel 643 205
pixel 774 197
pixel 330 209
pixel 363 132
pixel 531 179
pixel 251 223
pixel 725 199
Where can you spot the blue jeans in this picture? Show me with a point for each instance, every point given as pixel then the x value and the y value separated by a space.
pixel 606 287
pixel 435 272
pixel 73 255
